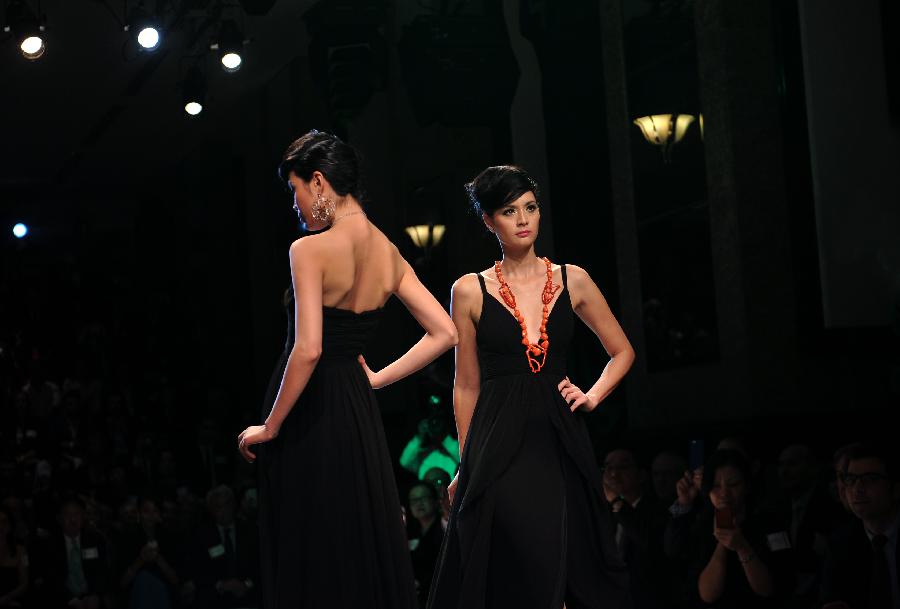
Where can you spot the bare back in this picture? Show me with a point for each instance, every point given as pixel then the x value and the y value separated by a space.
pixel 363 267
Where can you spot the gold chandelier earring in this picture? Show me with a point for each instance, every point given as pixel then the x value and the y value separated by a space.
pixel 323 209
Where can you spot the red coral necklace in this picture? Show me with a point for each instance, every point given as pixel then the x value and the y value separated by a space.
pixel 533 351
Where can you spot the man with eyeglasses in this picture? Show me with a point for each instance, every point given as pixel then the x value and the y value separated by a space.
pixel 861 570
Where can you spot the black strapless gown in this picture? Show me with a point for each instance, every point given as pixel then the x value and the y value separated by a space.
pixel 529 526
pixel 329 512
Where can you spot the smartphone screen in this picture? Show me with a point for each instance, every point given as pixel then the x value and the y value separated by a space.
pixel 724 518
pixel 695 452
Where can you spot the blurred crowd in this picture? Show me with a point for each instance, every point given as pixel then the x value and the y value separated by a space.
pixel 113 494
pixel 723 527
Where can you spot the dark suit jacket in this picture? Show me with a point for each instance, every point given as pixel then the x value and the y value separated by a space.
pixel 848 568
pixel 210 565
pixel 95 562
pixel 649 568
pixel 823 516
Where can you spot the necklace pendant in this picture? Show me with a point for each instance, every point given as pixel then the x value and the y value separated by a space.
pixel 533 352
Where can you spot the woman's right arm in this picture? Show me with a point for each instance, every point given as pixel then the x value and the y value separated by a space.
pixel 467 382
pixel 440 333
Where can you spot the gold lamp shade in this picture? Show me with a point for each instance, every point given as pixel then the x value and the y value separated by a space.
pixel 426 236
pixel 659 129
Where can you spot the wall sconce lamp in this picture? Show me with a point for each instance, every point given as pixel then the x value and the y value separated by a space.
pixel 426 236
pixel 664 130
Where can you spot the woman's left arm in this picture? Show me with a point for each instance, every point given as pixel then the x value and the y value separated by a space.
pixel 307 270
pixel 590 305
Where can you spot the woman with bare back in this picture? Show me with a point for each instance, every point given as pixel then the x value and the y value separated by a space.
pixel 330 516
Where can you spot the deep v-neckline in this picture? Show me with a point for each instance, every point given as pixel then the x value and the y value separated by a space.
pixel 509 313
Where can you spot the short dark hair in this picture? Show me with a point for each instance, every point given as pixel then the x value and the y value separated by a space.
pixel 843 453
pixel 498 186
pixel 327 154
pixel 632 452
pixel 880 452
pixel 726 457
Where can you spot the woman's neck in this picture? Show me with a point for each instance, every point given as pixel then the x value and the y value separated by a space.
pixel 520 265
pixel 346 205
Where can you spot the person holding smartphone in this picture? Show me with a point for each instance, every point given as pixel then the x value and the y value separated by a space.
pixel 740 557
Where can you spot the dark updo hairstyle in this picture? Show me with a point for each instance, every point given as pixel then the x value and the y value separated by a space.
pixel 327 154
pixel 726 458
pixel 498 186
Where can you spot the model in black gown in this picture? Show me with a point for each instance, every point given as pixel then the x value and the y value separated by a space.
pixel 529 527
pixel 326 486
pixel 329 511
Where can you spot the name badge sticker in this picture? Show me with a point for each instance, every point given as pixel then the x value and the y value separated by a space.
pixel 778 541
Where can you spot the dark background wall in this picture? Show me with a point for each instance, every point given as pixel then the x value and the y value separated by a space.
pixel 755 270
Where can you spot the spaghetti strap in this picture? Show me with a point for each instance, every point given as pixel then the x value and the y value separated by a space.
pixel 562 269
pixel 483 285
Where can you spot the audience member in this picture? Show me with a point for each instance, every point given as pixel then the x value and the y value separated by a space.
pixel 812 516
pixel 146 552
pixel 640 525
pixel 75 562
pixel 13 565
pixel 738 557
pixel 426 535
pixel 861 568
pixel 431 447
pixel 225 561
pixel 666 469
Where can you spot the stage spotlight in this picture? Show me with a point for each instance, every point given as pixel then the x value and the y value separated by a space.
pixel 148 30
pixel 148 38
pixel 27 29
pixel 231 62
pixel 193 91
pixel 20 230
pixel 230 46
pixel 32 47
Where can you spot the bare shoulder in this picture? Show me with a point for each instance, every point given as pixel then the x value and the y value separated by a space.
pixel 581 286
pixel 577 276
pixel 395 259
pixel 392 250
pixel 317 248
pixel 306 245
pixel 466 286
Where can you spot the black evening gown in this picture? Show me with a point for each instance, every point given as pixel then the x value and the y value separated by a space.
pixel 529 526
pixel 331 530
